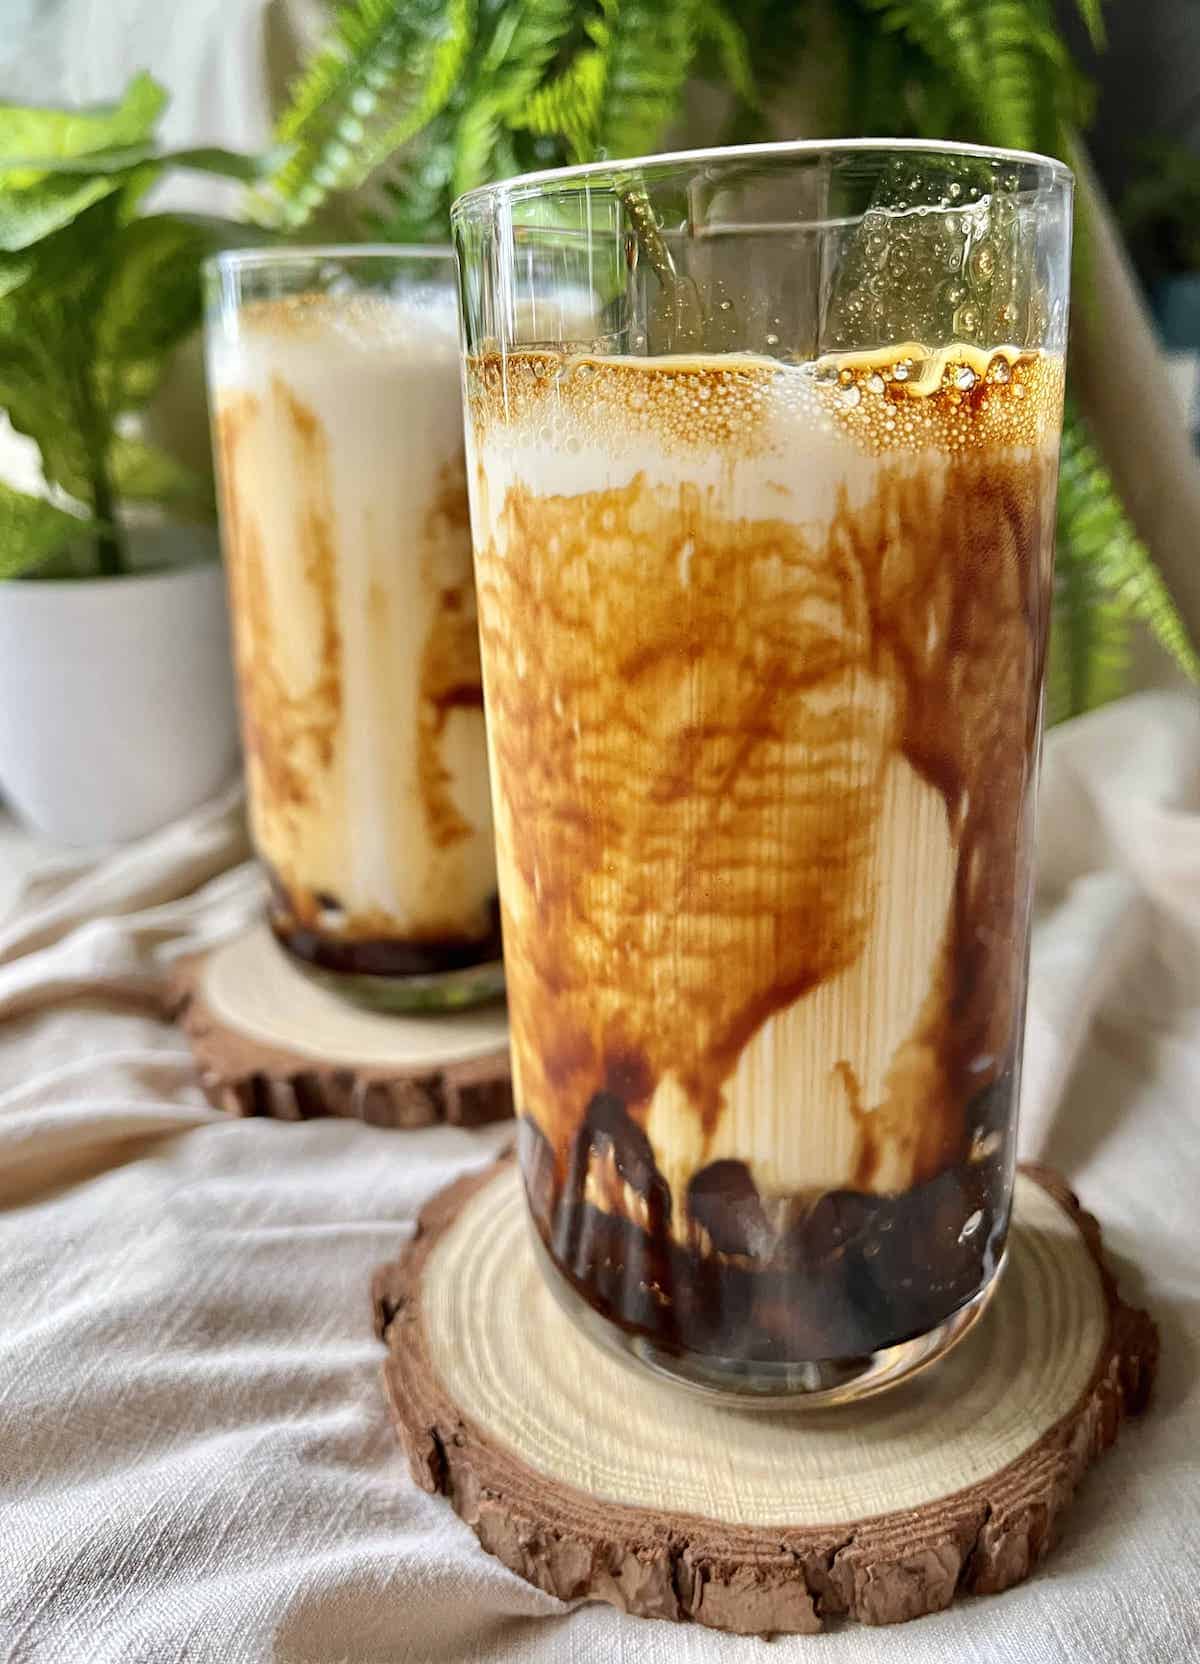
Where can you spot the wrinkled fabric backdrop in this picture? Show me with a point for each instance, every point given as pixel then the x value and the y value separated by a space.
pixel 195 1461
pixel 195 1458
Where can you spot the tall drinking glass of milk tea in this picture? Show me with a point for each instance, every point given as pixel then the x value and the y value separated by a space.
pixel 337 426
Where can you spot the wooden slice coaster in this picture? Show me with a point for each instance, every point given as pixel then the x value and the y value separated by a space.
pixel 593 1478
pixel 271 1042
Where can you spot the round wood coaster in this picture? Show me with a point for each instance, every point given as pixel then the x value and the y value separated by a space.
pixel 271 1042
pixel 593 1478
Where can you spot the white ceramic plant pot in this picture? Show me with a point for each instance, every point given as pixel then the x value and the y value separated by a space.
pixel 116 696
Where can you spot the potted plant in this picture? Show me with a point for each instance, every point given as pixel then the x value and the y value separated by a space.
pixel 404 106
pixel 116 705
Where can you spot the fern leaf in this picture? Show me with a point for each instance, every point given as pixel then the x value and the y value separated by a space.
pixel 386 71
pixel 478 133
pixel 618 94
pixel 648 50
pixel 1105 579
pixel 417 184
pixel 508 71
pixel 1001 55
pixel 569 105
pixel 523 45
pixel 1089 637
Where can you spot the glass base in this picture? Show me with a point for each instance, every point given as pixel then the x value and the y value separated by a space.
pixel 395 995
pixel 743 1384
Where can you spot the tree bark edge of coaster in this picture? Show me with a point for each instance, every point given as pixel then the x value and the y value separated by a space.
pixel 245 1074
pixel 752 1579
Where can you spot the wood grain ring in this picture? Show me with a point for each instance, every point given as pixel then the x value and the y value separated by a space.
pixel 269 1041
pixel 892 1564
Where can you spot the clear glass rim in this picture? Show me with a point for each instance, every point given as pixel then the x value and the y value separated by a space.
pixel 293 254
pixel 529 184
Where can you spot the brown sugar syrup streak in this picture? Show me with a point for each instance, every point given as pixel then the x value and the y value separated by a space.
pixel 696 714
pixel 294 739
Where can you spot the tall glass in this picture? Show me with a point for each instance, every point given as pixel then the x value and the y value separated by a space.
pixel 762 449
pixel 337 423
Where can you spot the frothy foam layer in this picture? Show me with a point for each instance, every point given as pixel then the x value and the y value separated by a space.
pixel 341 329
pixel 771 437
pixel 737 408
pixel 339 439
pixel 763 646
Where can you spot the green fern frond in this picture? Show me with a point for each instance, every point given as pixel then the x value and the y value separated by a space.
pixel 1105 578
pixel 506 75
pixel 1089 636
pixel 386 71
pixel 416 187
pixel 569 105
pixel 1001 55
pixel 528 83
pixel 648 51
pixel 478 135
pixel 619 93
pixel 524 44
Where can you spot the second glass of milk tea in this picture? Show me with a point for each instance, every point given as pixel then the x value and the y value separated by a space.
pixel 763 555
pixel 336 403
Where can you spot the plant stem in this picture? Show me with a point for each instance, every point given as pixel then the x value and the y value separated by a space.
pixel 110 550
pixel 110 556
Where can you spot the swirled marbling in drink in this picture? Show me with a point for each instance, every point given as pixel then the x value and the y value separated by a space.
pixel 338 426
pixel 763 648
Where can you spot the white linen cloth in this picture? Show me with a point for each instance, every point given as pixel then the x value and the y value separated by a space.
pixel 195 1459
